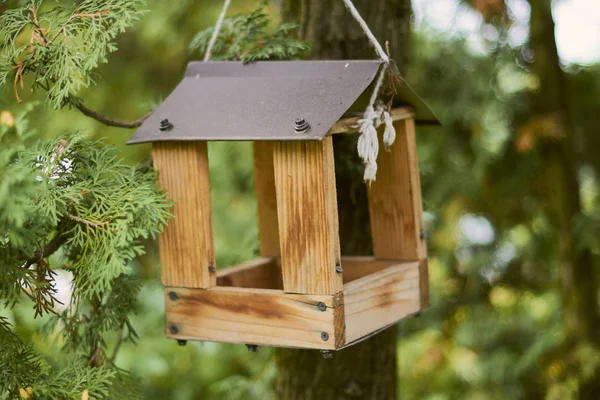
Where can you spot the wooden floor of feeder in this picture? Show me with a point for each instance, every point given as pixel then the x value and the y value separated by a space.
pixel 249 306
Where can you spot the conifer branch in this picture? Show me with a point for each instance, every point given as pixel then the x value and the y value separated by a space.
pixel 108 121
pixel 87 221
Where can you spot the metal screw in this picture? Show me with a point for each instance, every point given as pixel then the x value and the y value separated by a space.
pixel 321 306
pixel 173 329
pixel 324 336
pixel 327 354
pixel 301 126
pixel 181 342
pixel 423 235
pixel 211 268
pixel 165 125
pixel 173 296
pixel 252 348
pixel 338 268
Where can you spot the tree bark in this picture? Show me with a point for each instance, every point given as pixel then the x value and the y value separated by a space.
pixel 581 315
pixel 580 304
pixel 367 370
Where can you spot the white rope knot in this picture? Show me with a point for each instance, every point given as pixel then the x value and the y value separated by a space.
pixel 389 136
pixel 368 143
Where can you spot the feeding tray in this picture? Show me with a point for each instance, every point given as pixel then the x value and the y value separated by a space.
pixel 301 292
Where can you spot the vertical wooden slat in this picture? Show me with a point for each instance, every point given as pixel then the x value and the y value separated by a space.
pixel 186 246
pixel 307 211
pixel 266 199
pixel 395 199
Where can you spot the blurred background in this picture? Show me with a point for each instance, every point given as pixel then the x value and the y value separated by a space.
pixel 514 311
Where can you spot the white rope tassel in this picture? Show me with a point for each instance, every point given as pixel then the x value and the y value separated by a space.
pixel 216 31
pixel 368 144
pixel 389 136
pixel 363 24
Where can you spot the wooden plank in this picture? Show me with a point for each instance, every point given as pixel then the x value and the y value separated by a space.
pixel 308 225
pixel 424 283
pixel 261 273
pixel 356 267
pixel 349 125
pixel 252 316
pixel 186 246
pixel 395 199
pixel 381 299
pixel 266 199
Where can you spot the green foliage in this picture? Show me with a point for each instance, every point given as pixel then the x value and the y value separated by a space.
pixel 75 198
pixel 244 37
pixel 58 48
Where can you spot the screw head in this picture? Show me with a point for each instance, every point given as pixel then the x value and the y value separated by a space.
pixel 173 296
pixel 327 354
pixel 338 268
pixel 165 125
pixel 324 336
pixel 173 329
pixel 181 342
pixel 300 125
pixel 252 348
pixel 321 306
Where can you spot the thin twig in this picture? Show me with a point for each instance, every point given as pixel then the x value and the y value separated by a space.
pixel 36 23
pixel 108 121
pixel 74 16
pixel 117 346
pixel 18 76
pixel 48 249
pixel 87 221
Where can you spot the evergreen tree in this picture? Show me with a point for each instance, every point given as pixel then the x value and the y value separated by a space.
pixel 68 203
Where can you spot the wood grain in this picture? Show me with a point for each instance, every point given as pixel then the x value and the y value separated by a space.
pixel 252 316
pixel 381 299
pixel 395 199
pixel 424 283
pixel 186 246
pixel 260 273
pixel 356 267
pixel 307 211
pixel 349 125
pixel 266 199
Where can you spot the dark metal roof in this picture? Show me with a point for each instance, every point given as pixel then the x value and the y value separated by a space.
pixel 260 101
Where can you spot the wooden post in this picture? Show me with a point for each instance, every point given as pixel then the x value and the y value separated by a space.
pixel 395 200
pixel 266 199
pixel 307 211
pixel 186 246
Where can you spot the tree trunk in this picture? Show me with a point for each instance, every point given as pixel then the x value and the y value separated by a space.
pixel 367 370
pixel 579 287
pixel 580 309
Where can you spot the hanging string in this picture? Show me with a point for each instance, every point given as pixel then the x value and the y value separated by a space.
pixel 368 143
pixel 216 31
pixel 363 24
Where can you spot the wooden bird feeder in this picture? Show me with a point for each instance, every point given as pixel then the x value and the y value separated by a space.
pixel 301 292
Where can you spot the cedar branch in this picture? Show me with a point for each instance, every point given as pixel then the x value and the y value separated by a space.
pixel 108 121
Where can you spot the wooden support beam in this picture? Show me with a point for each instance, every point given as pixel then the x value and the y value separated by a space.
pixel 307 212
pixel 395 199
pixel 266 199
pixel 348 124
pixel 381 299
pixel 251 316
pixel 186 246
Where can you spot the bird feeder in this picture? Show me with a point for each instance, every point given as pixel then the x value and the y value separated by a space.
pixel 301 292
